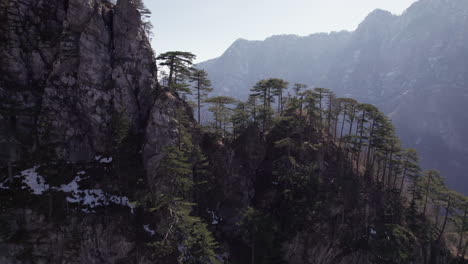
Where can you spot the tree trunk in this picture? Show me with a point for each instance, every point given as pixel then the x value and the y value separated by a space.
pixel 360 141
pixel 350 128
pixel 396 175
pixel 403 181
pixel 447 210
pixel 370 144
pixel 300 110
pixel 171 71
pixel 342 128
pixel 461 233
pixel 337 117
pixel 427 196
pixel 390 167
pixel 199 99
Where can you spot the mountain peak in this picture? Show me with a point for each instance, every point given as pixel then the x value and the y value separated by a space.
pixel 377 18
pixel 378 15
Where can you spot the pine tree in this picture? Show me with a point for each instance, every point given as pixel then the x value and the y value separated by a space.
pixel 262 90
pixel 240 118
pixel 221 112
pixel 145 15
pixel 252 107
pixel 410 168
pixel 179 63
pixel 277 87
pixel 202 86
pixel 322 94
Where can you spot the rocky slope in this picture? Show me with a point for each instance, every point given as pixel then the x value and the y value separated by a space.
pixel 411 66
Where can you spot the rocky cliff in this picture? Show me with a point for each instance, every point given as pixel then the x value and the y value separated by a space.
pixel 74 74
pixel 412 66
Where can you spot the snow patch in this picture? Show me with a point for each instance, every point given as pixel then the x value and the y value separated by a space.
pixel 104 160
pixel 93 197
pixel 3 185
pixel 149 230
pixel 33 181
pixel 88 198
pixel 214 218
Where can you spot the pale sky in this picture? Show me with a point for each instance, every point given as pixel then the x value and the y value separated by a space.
pixel 208 27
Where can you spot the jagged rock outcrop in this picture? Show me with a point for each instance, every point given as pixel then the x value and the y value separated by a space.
pixel 411 66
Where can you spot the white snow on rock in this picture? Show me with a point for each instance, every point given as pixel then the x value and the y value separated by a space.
pixel 149 230
pixel 88 198
pixel 92 198
pixel 33 181
pixel 3 185
pixel 105 160
pixel 214 218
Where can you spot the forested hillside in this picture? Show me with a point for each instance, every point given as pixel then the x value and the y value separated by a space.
pixel 411 66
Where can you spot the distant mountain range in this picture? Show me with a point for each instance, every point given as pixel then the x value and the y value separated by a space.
pixel 413 66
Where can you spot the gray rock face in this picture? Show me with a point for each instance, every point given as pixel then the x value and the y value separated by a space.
pixel 67 70
pixel 411 66
pixel 77 63
pixel 81 240
pixel 105 66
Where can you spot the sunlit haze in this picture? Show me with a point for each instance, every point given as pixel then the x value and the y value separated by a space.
pixel 208 27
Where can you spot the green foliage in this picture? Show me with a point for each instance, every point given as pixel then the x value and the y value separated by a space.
pixel 259 231
pixel 184 235
pixel 221 112
pixel 240 118
pixel 202 86
pixel 197 243
pixel 265 90
pixel 176 164
pixel 393 244
pixel 179 63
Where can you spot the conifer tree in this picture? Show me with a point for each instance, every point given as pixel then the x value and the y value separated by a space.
pixel 221 112
pixel 298 87
pixel 202 86
pixel 348 115
pixel 240 118
pixel 277 87
pixel 179 63
pixel 251 107
pixel 410 167
pixel 145 15
pixel 262 90
pixel 298 99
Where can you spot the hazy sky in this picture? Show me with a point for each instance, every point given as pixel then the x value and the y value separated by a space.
pixel 208 27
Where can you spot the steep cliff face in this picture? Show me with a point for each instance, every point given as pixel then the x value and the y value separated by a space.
pixel 73 75
pixel 411 66
pixel 76 63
